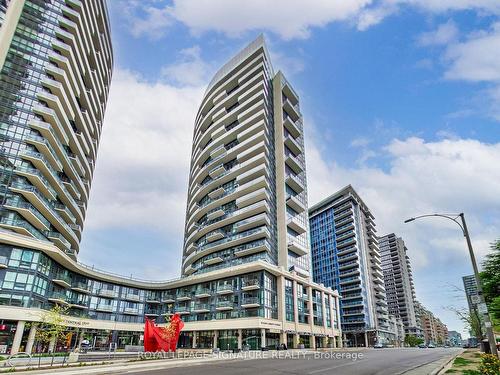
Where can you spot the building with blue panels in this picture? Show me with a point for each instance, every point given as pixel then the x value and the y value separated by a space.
pixel 346 257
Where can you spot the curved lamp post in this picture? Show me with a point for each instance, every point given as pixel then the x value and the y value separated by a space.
pixel 462 224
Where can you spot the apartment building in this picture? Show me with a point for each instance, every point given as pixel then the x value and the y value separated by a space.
pixel 398 281
pixel 346 257
pixel 435 331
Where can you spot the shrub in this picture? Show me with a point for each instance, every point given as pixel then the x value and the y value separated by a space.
pixel 490 365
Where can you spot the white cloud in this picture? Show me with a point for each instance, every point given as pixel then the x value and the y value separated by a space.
pixel 190 70
pixel 477 58
pixel 143 164
pixel 289 19
pixel 146 19
pixel 449 175
pixel 443 35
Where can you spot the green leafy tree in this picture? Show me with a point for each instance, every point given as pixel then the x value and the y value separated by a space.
pixel 412 340
pixel 52 326
pixel 490 281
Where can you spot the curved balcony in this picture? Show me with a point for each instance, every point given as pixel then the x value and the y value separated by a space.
pixel 228 242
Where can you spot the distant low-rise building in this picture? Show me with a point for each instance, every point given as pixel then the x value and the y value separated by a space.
pixel 454 338
pixel 435 331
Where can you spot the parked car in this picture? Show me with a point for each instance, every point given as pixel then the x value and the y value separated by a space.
pixel 432 346
pixel 422 346
pixel 378 346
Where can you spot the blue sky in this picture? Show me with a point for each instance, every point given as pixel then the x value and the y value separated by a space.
pixel 401 99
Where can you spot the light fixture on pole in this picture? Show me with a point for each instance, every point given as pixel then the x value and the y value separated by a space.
pixel 463 225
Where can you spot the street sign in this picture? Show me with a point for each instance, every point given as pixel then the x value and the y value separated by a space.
pixel 475 299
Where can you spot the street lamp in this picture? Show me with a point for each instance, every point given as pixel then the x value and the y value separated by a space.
pixel 463 226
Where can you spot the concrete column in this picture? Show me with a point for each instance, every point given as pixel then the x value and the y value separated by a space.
pixel 262 337
pixel 312 342
pixel 323 309
pixel 295 304
pixel 283 339
pixel 366 339
pixel 216 336
pixel 194 339
pixel 310 307
pixel 296 340
pixel 31 338
pixel 331 301
pixel 340 343
pixel 240 339
pixel 280 286
pixel 324 342
pixel 52 344
pixel 334 342
pixel 18 336
pixel 80 338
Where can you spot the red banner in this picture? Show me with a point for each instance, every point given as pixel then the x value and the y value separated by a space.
pixel 162 338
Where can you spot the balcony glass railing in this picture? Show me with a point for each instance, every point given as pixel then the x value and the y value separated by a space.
pixel 21 204
pixel 38 174
pixel 250 282
pixel 58 295
pixel 21 223
pixel 225 287
pixel 224 304
pixel 250 301
pixel 234 237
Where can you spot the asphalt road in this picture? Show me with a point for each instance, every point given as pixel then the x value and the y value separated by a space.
pixel 368 362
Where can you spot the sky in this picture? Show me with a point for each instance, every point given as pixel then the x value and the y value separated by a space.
pixel 401 99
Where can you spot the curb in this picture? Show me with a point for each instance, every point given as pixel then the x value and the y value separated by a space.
pixel 445 366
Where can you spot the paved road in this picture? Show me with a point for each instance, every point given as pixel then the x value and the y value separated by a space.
pixel 371 362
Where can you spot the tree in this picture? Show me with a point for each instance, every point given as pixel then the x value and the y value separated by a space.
pixel 412 340
pixel 51 327
pixel 490 281
pixel 473 321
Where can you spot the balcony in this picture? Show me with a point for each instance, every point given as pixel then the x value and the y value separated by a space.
pixel 202 308
pixel 291 109
pixel 21 226
pixel 131 311
pixel 251 249
pixel 252 198
pixel 58 298
pixel 217 171
pixel 62 280
pixel 184 296
pixel 293 145
pixel 45 148
pixel 216 213
pixel 293 163
pixel 297 248
pixel 225 289
pixel 110 293
pixel 250 302
pixel 216 193
pixel 203 293
pixel 37 179
pixel 294 183
pixel 79 303
pixel 153 312
pixel 215 235
pixel 224 305
pixel 153 298
pixel 81 287
pixel 291 126
pixel 59 240
pixel 214 260
pixel 104 308
pixel 295 204
pixel 28 211
pixel 189 270
pixel 250 284
pixel 132 297
pixel 296 225
pixel 168 298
